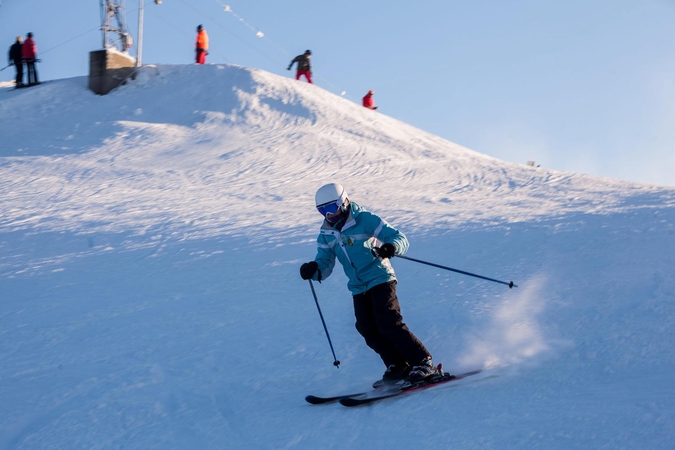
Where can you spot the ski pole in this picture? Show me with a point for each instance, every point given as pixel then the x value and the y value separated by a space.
pixel 336 363
pixel 509 284
pixel 5 67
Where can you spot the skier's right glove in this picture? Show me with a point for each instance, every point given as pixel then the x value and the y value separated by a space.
pixel 386 251
pixel 288 68
pixel 307 270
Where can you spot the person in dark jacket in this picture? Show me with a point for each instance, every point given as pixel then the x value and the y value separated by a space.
pixel 368 101
pixel 304 66
pixel 29 52
pixel 16 59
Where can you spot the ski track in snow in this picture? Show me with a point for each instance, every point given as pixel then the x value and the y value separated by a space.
pixel 268 141
pixel 149 246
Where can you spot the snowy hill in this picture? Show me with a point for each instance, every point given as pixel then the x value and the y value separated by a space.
pixel 150 242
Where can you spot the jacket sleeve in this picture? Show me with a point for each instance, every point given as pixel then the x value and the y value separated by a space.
pixel 387 234
pixel 325 258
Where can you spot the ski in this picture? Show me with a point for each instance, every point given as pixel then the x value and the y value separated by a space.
pixel 383 391
pixel 26 86
pixel 316 400
pixel 361 399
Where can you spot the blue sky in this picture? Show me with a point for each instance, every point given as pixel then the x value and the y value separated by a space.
pixel 583 86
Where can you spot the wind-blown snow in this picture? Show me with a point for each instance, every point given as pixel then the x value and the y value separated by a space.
pixel 150 242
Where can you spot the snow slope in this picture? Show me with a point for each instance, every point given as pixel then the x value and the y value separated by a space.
pixel 150 242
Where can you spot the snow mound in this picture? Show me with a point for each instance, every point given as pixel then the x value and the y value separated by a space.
pixel 206 150
pixel 150 242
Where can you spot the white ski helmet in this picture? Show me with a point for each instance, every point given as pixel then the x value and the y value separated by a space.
pixel 330 198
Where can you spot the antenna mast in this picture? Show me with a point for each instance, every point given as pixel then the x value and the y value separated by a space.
pixel 114 27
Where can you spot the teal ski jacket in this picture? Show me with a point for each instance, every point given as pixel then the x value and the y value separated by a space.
pixel 352 246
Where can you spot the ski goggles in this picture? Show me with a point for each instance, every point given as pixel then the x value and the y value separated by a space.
pixel 330 208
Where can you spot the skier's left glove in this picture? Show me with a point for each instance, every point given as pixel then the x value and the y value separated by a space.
pixel 386 251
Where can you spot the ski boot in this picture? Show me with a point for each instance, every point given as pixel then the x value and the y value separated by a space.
pixel 395 373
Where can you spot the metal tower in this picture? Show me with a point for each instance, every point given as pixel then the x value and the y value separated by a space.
pixel 114 27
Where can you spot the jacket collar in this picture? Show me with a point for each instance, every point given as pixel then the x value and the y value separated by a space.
pixel 354 211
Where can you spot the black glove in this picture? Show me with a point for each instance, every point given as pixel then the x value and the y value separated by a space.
pixel 307 270
pixel 386 251
pixel 288 68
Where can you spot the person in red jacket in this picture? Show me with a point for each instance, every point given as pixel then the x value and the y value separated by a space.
pixel 29 54
pixel 368 101
pixel 201 45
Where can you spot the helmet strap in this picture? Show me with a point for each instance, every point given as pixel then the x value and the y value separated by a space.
pixel 345 206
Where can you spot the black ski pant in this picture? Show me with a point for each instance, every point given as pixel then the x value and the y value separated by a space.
pixel 18 65
pixel 379 321
pixel 32 73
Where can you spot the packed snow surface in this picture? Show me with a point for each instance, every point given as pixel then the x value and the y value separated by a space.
pixel 150 242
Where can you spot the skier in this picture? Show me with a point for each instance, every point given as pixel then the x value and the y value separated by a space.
pixel 304 66
pixel 29 54
pixel 16 59
pixel 364 243
pixel 368 101
pixel 201 45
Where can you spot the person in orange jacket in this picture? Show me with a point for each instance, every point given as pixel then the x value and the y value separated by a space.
pixel 368 101
pixel 202 45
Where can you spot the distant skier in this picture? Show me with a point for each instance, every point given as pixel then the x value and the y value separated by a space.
pixel 16 59
pixel 29 53
pixel 304 66
pixel 201 45
pixel 368 101
pixel 364 243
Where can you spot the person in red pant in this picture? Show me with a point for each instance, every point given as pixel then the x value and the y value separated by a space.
pixel 29 53
pixel 368 101
pixel 202 45
pixel 304 66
